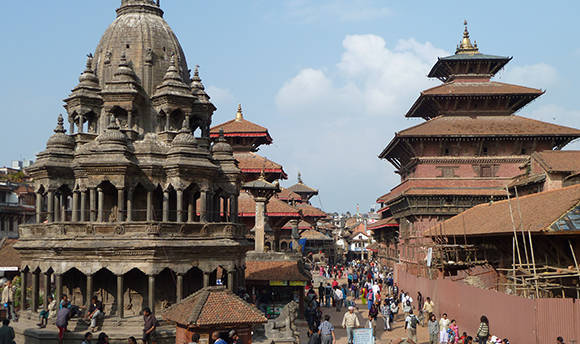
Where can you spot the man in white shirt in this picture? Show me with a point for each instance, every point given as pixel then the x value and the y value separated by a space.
pixel 338 295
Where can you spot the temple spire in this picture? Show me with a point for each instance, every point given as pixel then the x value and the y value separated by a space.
pixel 60 125
pixel 239 114
pixel 465 46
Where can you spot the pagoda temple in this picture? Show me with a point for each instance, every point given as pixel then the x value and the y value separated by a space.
pixel 468 149
pixel 128 200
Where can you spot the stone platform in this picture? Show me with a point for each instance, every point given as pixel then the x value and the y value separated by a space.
pixel 27 332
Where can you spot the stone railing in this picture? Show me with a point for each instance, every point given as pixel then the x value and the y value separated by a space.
pixel 133 230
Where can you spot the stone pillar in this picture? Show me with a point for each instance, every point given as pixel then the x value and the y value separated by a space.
pixel 203 206
pixel 295 236
pixel 231 279
pixel 120 297
pixel 38 207
pixel 83 211
pixel 23 286
pixel 120 204
pixel 259 227
pixel 149 205
pixel 57 208
pixel 191 208
pixel 130 119
pixel 129 205
pixel 75 207
pixel 234 208
pixel 50 206
pixel 180 205
pixel 101 204
pixel 57 288
pixel 46 290
pixel 210 207
pixel 63 200
pixel 167 117
pixel 34 301
pixel 151 293
pixel 92 204
pixel 81 124
pixel 206 279
pixel 179 286
pixel 89 293
pixel 165 205
pixel 276 247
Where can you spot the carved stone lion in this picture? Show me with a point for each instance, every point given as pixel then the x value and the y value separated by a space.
pixel 284 327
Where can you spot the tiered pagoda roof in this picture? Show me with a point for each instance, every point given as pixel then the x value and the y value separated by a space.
pixel 242 134
pixel 305 191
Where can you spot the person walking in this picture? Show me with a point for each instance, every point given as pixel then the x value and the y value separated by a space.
pixel 149 326
pixel 433 327
pixel 443 327
pixel 372 324
pixel 326 331
pixel 8 300
pixel 386 313
pixel 411 326
pixel 350 322
pixel 428 308
pixel 338 295
pixel 7 334
pixel 62 317
pixel 483 330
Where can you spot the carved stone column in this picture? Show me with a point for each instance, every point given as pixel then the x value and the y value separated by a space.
pixel 83 212
pixel 93 204
pixel 63 200
pixel 57 287
pixel 206 279
pixel 179 287
pixel 179 205
pixel 57 212
pixel 120 297
pixel 234 208
pixel 149 205
pixel 50 206
pixel 75 205
pixel 260 226
pixel 129 205
pixel 35 285
pixel 89 293
pixel 295 236
pixel 120 204
pixel 151 293
pixel 38 207
pixel 231 279
pixel 101 204
pixel 165 205
pixel 203 206
pixel 191 208
pixel 46 290
pixel 23 286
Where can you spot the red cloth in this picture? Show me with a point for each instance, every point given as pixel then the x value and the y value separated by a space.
pixel 334 283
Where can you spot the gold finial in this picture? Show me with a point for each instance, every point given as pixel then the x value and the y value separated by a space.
pixel 299 177
pixel 239 115
pixel 465 46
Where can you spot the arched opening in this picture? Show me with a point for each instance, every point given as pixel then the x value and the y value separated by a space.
pixel 161 122
pixel 109 201
pixel 268 246
pixel 192 281
pixel 172 203
pixel 165 292
pixel 135 293
pixel 121 116
pixel 284 246
pixel 92 122
pixel 190 197
pixel 74 285
pixel 176 120
pixel 158 203
pixel 63 203
pixel 139 211
pixel 105 288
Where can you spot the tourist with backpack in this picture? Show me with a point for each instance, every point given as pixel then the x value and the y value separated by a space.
pixel 411 326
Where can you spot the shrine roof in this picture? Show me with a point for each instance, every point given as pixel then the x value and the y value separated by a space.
pixel 462 88
pixel 240 127
pixel 275 207
pixel 272 270
pixel 558 161
pixel 513 125
pixel 302 225
pixel 527 179
pixel 312 234
pixel 302 188
pixel 310 211
pixel 540 212
pixel 383 223
pixel 213 306
pixel 250 162
pixel 286 194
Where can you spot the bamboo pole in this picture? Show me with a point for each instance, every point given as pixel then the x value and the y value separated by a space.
pixel 522 225
pixel 533 262
pixel 514 226
pixel 574 256
pixel 514 263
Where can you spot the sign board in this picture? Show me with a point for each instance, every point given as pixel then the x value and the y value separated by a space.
pixel 363 336
pixel 297 283
pixel 278 283
pixel 429 256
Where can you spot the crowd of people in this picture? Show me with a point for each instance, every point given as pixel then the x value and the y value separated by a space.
pixel 370 291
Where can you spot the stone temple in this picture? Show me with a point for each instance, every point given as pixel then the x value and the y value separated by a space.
pixel 134 204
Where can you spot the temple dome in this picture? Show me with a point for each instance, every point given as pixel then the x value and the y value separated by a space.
pixel 141 33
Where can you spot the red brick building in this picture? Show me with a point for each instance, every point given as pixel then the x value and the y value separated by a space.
pixel 471 145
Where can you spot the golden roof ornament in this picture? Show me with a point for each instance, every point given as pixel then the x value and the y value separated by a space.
pixel 465 47
pixel 239 114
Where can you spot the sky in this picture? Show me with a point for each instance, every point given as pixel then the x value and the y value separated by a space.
pixel 331 80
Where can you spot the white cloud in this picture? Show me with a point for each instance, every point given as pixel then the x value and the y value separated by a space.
pixel 348 112
pixel 341 10
pixel 220 96
pixel 536 75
